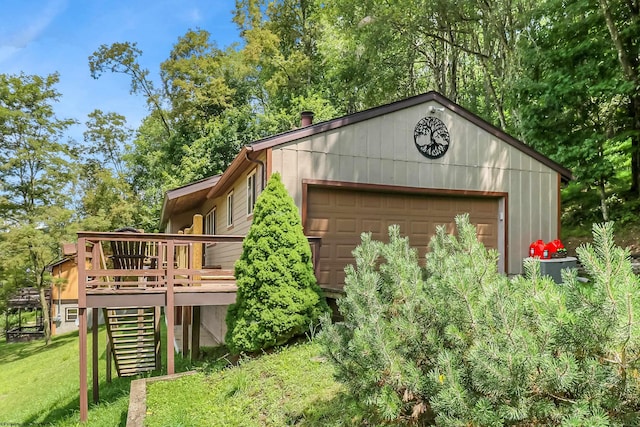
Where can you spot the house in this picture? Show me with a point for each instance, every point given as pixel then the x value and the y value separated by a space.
pixel 417 162
pixel 64 292
pixel 64 301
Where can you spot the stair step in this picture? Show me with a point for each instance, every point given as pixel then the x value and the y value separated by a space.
pixel 112 313
pixel 132 365
pixel 117 344
pixel 136 333
pixel 132 326
pixel 129 358
pixel 135 372
pixel 133 349
pixel 132 368
pixel 130 321
pixel 127 345
pixel 149 349
pixel 135 359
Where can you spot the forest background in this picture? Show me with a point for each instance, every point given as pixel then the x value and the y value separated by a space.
pixel 563 77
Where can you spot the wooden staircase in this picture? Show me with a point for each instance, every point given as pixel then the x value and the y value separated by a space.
pixel 134 338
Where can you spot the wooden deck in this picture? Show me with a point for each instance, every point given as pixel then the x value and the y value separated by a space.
pixel 172 275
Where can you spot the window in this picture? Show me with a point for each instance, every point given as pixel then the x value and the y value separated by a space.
pixel 251 192
pixel 71 314
pixel 210 222
pixel 230 209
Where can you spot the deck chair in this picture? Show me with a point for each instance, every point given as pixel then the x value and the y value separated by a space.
pixel 128 255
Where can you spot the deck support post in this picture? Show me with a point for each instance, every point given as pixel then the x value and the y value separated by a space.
pixel 169 308
pixel 186 321
pixel 84 392
pixel 108 355
pixel 157 337
pixel 94 354
pixel 195 333
pixel 82 325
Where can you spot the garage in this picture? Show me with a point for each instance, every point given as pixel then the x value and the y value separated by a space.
pixel 340 214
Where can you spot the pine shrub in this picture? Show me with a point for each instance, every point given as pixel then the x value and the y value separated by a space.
pixel 278 296
pixel 459 344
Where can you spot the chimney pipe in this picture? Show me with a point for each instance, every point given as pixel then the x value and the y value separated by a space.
pixel 306 118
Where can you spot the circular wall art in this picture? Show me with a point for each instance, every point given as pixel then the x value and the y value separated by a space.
pixel 431 137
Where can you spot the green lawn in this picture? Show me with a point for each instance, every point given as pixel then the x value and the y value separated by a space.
pixel 40 384
pixel 294 386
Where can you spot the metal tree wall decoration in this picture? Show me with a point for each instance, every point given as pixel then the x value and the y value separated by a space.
pixel 431 137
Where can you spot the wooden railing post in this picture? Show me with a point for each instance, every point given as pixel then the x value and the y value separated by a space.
pixel 197 247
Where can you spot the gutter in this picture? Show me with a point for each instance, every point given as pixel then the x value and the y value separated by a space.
pixel 259 163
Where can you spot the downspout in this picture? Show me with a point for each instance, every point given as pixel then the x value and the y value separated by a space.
pixel 259 163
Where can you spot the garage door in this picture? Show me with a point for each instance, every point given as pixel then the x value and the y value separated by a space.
pixel 340 215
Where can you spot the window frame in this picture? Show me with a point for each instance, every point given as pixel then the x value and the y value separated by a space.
pixel 230 209
pixel 251 192
pixel 68 317
pixel 210 222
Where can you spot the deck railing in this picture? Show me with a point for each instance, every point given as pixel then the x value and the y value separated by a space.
pixel 169 260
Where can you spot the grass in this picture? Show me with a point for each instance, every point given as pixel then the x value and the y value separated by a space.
pixel 39 385
pixel 293 386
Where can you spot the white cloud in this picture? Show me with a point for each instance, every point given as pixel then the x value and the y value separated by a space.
pixel 25 33
pixel 195 15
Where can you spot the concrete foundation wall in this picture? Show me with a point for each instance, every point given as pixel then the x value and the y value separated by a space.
pixel 213 319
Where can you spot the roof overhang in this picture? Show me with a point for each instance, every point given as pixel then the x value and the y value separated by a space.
pixel 239 165
pixel 186 197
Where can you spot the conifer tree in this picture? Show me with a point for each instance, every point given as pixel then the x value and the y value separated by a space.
pixel 278 296
pixel 460 344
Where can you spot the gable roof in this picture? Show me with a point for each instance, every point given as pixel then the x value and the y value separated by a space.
pixel 186 197
pixel 371 113
pixel 191 195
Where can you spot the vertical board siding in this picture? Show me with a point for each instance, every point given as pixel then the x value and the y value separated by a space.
pixel 382 151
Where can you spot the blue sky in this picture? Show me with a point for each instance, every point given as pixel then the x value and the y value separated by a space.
pixel 45 36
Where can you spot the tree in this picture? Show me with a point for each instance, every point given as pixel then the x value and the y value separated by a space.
pixel 199 117
pixel 278 296
pixel 108 201
pixel 36 180
pixel 463 49
pixel 572 97
pixel 123 58
pixel 461 344
pixel 282 48
pixel 623 23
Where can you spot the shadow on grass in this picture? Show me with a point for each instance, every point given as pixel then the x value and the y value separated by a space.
pixel 342 410
pixel 69 413
pixel 10 352
pixel 65 411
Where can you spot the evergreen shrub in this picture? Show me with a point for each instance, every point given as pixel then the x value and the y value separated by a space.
pixel 458 344
pixel 278 296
